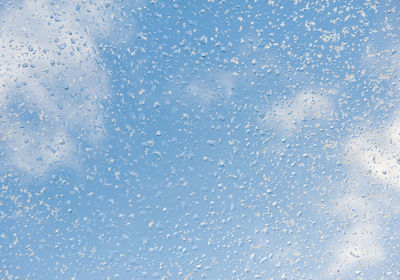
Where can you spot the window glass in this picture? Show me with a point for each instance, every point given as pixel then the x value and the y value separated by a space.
pixel 150 139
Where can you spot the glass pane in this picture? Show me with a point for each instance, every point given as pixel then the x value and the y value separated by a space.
pixel 151 139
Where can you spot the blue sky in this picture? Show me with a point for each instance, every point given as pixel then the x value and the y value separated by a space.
pixel 199 139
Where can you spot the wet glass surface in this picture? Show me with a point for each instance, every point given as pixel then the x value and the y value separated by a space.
pixel 199 139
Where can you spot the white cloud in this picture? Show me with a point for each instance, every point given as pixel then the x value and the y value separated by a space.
pixel 201 92
pixel 378 153
pixel 51 82
pixel 360 248
pixel 305 106
pixel 35 154
pixel 360 245
pixel 211 88
pixel 373 157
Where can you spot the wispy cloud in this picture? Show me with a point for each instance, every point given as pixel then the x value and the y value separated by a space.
pixel 358 245
pixel 210 87
pixel 373 160
pixel 52 82
pixel 306 105
pixel 378 153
